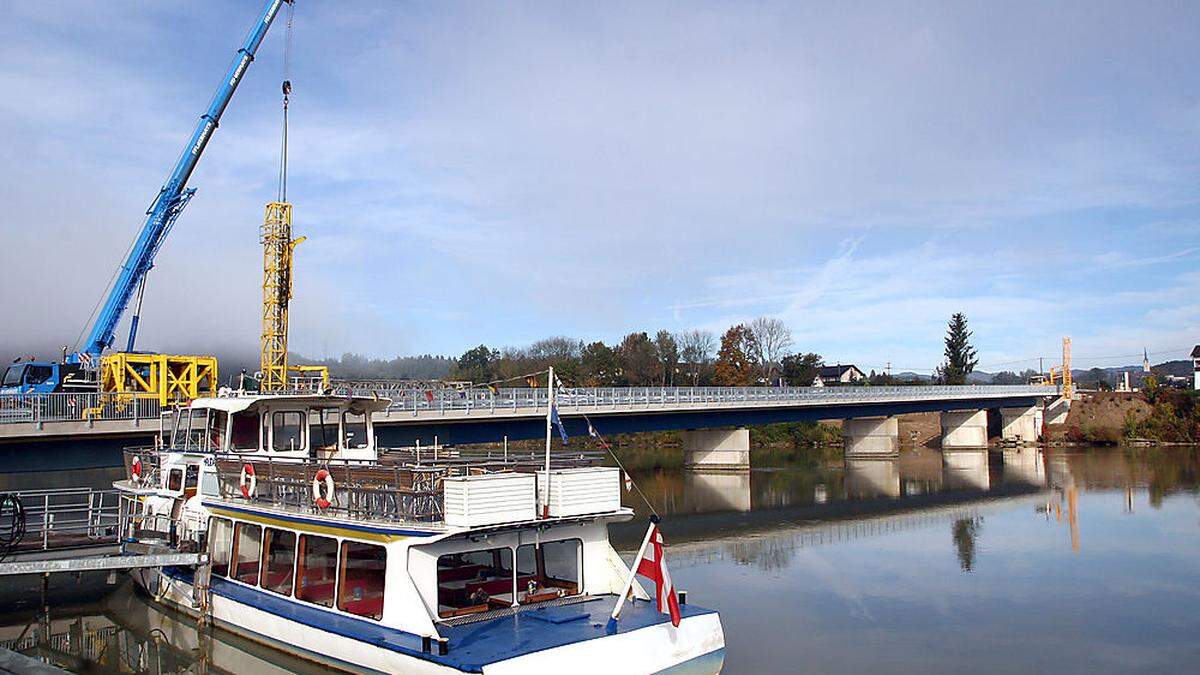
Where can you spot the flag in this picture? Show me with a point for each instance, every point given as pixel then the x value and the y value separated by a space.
pixel 554 418
pixel 596 435
pixel 492 388
pixel 653 566
pixel 429 395
pixel 628 481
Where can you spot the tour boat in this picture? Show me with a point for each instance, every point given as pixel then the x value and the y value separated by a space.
pixel 433 560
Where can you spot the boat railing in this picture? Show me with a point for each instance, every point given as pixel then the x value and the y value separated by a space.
pixel 149 461
pixel 361 490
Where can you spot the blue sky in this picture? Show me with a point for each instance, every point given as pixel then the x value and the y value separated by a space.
pixel 501 172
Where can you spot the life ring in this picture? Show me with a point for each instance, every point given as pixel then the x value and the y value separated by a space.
pixel 322 479
pixel 248 481
pixel 135 470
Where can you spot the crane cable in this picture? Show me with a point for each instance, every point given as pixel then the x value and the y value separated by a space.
pixel 287 91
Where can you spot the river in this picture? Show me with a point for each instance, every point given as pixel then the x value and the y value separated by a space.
pixel 1013 562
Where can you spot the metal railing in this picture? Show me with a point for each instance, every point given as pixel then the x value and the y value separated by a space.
pixel 37 409
pixel 66 407
pixel 68 518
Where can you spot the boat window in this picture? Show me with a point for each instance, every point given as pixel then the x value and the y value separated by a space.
pixel 217 422
pixel 474 581
pixel 197 421
pixel 318 569
pixel 244 436
pixel 209 486
pixel 354 428
pixel 279 560
pixel 175 480
pixel 192 478
pixel 548 571
pixel 363 570
pixel 323 429
pixel 220 536
pixel 286 431
pixel 247 545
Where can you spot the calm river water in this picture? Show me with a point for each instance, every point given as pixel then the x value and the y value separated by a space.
pixel 1001 562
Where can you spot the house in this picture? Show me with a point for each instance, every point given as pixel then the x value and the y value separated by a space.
pixel 839 374
pixel 1196 367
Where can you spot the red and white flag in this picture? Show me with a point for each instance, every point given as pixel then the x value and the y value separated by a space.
pixel 653 566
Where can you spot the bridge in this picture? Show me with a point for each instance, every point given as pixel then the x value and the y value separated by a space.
pixel 714 419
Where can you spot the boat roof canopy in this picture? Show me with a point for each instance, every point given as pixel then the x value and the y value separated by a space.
pixel 239 403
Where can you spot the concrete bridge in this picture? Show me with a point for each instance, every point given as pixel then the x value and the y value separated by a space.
pixel 714 419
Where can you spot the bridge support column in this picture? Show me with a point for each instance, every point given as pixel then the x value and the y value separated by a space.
pixel 716 449
pixel 1019 424
pixel 871 437
pixel 962 429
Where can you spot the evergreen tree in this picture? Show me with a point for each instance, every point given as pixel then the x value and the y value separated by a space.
pixel 960 355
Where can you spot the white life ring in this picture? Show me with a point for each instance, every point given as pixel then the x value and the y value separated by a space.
pixel 135 470
pixel 248 481
pixel 322 479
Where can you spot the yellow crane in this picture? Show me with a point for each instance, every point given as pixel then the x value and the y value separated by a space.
pixel 1064 370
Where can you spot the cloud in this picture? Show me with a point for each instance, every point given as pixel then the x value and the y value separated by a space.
pixel 498 173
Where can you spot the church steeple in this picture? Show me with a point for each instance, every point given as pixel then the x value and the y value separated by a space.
pixel 1145 360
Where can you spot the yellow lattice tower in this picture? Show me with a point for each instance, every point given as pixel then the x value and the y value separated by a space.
pixel 278 248
pixel 1068 387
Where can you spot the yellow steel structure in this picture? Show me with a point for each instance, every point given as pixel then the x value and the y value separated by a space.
pixel 170 378
pixel 278 247
pixel 1068 387
pixel 313 378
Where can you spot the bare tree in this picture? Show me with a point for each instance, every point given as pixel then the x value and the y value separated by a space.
pixel 774 338
pixel 696 348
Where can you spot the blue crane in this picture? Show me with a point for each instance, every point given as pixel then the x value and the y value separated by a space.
pixel 168 204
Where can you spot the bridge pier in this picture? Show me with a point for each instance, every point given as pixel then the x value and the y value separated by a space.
pixel 1019 424
pixel 716 449
pixel 871 437
pixel 964 429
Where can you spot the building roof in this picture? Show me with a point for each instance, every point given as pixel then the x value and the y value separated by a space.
pixel 838 370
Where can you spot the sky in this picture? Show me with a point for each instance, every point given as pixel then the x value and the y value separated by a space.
pixel 501 172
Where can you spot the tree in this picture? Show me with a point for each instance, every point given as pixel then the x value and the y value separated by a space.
pixel 638 360
pixel 598 365
pixel 773 338
pixel 1007 377
pixel 477 365
pixel 696 348
pixel 960 355
pixel 799 370
pixel 667 350
pixel 735 365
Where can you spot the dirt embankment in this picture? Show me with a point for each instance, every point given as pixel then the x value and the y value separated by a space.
pixel 1101 416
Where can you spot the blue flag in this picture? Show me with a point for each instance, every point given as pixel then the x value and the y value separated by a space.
pixel 554 418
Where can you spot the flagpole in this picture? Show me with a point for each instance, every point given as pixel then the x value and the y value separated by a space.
pixel 549 418
pixel 633 570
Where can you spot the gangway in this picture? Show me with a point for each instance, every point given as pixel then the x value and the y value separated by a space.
pixel 74 530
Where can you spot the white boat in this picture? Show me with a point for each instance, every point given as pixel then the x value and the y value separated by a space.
pixel 417 561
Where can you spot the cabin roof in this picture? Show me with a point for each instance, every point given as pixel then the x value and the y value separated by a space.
pixel 238 403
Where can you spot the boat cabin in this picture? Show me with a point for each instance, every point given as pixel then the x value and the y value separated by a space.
pixel 297 427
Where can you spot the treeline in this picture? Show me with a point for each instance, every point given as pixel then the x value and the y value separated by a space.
pixel 357 367
pixel 746 354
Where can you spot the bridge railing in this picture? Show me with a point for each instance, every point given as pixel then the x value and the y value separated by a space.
pixel 69 407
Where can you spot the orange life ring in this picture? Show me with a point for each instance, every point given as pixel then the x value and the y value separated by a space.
pixel 135 470
pixel 248 481
pixel 322 479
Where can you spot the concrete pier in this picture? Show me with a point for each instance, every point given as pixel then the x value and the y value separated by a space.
pixel 716 449
pixel 871 437
pixel 1019 424
pixel 963 429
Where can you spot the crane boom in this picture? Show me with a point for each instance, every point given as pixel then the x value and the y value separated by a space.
pixel 172 197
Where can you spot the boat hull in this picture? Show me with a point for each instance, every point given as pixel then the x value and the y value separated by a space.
pixel 696 647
